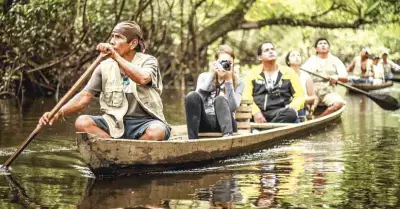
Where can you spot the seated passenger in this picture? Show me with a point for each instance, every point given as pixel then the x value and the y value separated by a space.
pixel 330 66
pixel 276 90
pixel 389 66
pixel 379 74
pixel 218 94
pixel 361 67
pixel 293 60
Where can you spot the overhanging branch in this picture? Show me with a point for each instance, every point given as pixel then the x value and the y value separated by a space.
pixel 224 24
pixel 59 60
pixel 247 25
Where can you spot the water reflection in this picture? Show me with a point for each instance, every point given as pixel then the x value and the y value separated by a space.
pixel 147 191
pixel 352 164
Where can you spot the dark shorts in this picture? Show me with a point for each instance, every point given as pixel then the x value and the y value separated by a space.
pixel 134 127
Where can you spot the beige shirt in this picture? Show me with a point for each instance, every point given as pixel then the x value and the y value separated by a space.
pixel 325 67
pixel 389 65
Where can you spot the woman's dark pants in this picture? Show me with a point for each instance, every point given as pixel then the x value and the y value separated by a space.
pixel 198 121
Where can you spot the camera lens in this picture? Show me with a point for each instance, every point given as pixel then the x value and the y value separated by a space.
pixel 226 65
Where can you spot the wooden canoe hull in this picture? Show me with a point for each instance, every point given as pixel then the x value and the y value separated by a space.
pixel 369 86
pixel 101 153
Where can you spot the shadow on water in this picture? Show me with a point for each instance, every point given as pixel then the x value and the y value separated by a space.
pixel 353 164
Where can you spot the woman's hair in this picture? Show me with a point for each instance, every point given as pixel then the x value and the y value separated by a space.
pixel 227 50
pixel 287 58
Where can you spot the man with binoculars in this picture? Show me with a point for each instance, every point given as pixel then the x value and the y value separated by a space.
pixel 276 90
pixel 218 94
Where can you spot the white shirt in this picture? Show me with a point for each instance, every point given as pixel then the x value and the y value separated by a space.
pixel 316 62
pixel 303 80
pixel 270 79
pixel 378 71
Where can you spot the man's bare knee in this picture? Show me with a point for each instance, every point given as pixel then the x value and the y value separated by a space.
pixel 83 122
pixel 155 131
pixel 338 105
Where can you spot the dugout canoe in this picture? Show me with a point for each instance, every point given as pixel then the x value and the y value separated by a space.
pixel 370 87
pixel 102 153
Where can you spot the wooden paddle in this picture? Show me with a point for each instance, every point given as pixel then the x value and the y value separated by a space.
pixel 66 97
pixel 385 101
pixel 394 79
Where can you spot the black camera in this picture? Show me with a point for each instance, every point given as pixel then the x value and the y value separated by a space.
pixel 226 64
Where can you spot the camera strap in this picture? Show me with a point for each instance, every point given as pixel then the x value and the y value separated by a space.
pixel 278 79
pixel 218 88
pixel 270 83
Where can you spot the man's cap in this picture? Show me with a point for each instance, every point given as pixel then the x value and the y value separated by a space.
pixel 366 49
pixel 131 30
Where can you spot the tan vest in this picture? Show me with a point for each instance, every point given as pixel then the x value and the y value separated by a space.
pixel 113 101
pixel 322 87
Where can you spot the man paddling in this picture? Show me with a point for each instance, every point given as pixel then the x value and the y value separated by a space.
pixel 129 84
pixel 328 65
pixel 361 68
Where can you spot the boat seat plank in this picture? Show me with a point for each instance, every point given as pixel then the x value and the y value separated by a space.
pixel 213 134
pixel 243 125
pixel 244 131
pixel 270 125
pixel 240 115
pixel 244 109
pixel 246 102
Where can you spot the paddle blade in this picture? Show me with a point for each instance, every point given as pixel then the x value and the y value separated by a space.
pixel 4 170
pixel 385 101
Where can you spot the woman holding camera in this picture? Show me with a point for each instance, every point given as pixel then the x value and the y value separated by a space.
pixel 218 94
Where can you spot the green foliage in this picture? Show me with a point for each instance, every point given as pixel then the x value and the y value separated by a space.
pixel 59 36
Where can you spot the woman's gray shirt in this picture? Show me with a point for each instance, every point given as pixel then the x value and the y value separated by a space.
pixel 206 88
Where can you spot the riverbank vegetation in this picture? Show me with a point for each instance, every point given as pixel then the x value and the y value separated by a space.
pixel 46 44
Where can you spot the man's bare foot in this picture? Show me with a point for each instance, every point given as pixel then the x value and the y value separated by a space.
pixel 310 117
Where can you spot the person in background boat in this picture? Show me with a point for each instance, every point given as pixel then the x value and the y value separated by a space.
pixel 218 94
pixel 275 89
pixel 379 74
pixel 389 66
pixel 129 84
pixel 328 65
pixel 361 67
pixel 293 59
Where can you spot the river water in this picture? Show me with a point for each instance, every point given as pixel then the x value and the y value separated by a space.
pixel 351 164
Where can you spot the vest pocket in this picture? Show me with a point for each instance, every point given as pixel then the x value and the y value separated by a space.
pixel 113 96
pixel 152 102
